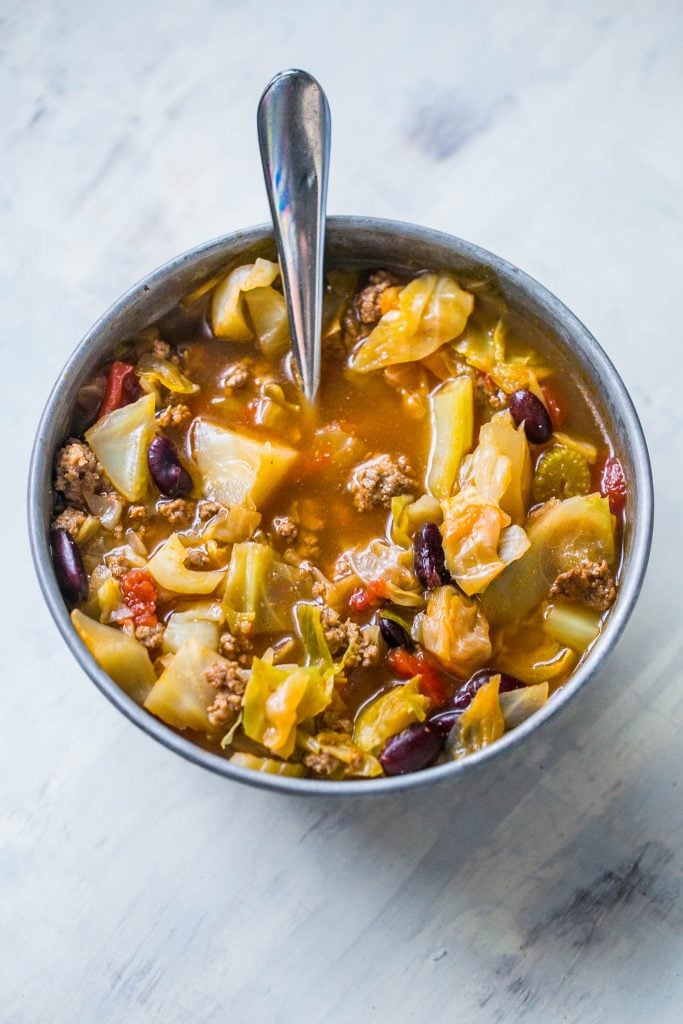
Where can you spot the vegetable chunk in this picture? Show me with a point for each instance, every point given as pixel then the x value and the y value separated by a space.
pixel 120 441
pixel 236 469
pixel 182 695
pixel 120 655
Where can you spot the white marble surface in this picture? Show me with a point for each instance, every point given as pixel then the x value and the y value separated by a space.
pixel 136 887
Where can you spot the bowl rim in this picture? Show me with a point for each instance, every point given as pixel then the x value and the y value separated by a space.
pixel 630 584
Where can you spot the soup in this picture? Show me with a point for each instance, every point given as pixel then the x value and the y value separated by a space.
pixel 387 580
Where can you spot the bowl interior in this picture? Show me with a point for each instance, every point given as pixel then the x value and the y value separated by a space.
pixel 357 242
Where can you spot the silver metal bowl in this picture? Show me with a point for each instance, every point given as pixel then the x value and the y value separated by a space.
pixel 353 241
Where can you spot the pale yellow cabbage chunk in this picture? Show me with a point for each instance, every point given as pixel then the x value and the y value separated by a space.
pixel 388 714
pixel 228 319
pixel 278 698
pixel 201 620
pixel 431 311
pixel 481 723
pixel 452 423
pixel 408 515
pixel 120 655
pixel 518 705
pixel 500 466
pixel 538 659
pixel 268 765
pixel 181 695
pixel 477 546
pixel 353 762
pixel 168 569
pixel 120 441
pixel 561 535
pixel 268 314
pixel 454 629
pixel 162 371
pixel 392 566
pixel 261 590
pixel 236 469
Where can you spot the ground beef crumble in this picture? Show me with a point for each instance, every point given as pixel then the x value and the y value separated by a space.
pixel 322 764
pixel 71 520
pixel 150 636
pixel 196 558
pixel 342 634
pixel 368 299
pixel 137 512
pixel 77 471
pixel 206 509
pixel 237 375
pixel 236 648
pixel 230 681
pixel 285 527
pixel 590 584
pixel 118 564
pixel 173 415
pixel 379 479
pixel 177 511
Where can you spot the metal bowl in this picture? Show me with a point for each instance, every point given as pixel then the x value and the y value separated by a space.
pixel 353 241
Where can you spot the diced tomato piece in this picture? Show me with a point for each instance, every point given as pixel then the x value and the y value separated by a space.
pixel 122 388
pixel 407 664
pixel 613 485
pixel 366 598
pixel 553 404
pixel 140 595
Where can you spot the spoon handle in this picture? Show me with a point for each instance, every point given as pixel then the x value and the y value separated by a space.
pixel 294 137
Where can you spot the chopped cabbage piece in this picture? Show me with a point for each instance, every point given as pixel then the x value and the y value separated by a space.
pixel 577 444
pixel 162 371
pixel 572 625
pixel 500 467
pixel 309 625
pixel 228 318
pixel 408 515
pixel 387 714
pixel 481 724
pixel 353 762
pixel 279 697
pixel 268 313
pixel 232 525
pixel 452 431
pixel 181 695
pixel 201 621
pixel 168 569
pixel 109 598
pixel 392 566
pixel 268 765
pixel 120 655
pixel 455 630
pixel 236 469
pixel 120 441
pixel 561 535
pixel 518 705
pixel 537 659
pixel 485 351
pixel 261 590
pixel 475 545
pixel 431 311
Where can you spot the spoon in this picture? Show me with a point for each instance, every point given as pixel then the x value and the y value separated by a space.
pixel 293 123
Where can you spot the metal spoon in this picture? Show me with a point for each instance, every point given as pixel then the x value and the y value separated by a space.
pixel 294 137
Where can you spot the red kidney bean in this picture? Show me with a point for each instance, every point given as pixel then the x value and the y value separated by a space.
pixel 445 720
pixel 167 472
pixel 69 568
pixel 463 698
pixel 412 749
pixel 526 408
pixel 393 633
pixel 428 557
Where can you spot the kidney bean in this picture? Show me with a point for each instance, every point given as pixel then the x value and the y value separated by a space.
pixel 167 472
pixel 526 408
pixel 428 557
pixel 463 698
pixel 413 748
pixel 68 563
pixel 393 633
pixel 445 720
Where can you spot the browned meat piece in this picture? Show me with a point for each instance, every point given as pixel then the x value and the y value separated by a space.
pixel 177 511
pixel 368 300
pixel 336 722
pixel 379 479
pixel 285 527
pixel 118 564
pixel 590 583
pixel 150 636
pixel 161 349
pixel 137 512
pixel 71 520
pixel 321 764
pixel 77 471
pixel 236 648
pixel 196 559
pixel 173 415
pixel 237 375
pixel 230 682
pixel 206 509
pixel 341 634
